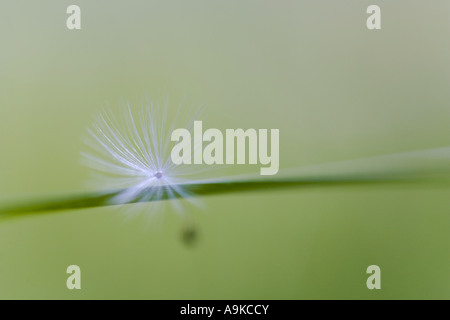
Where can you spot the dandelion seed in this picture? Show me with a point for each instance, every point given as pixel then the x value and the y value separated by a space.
pixel 132 154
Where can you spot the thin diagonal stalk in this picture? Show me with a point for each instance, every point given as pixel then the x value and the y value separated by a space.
pixel 91 200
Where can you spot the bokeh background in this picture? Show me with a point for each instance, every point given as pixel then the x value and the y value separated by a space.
pixel 335 90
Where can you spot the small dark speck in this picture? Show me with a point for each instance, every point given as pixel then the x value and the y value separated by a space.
pixel 189 236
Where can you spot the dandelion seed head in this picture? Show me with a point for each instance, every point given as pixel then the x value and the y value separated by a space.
pixel 130 154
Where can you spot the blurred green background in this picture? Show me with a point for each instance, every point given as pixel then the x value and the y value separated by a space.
pixel 311 68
